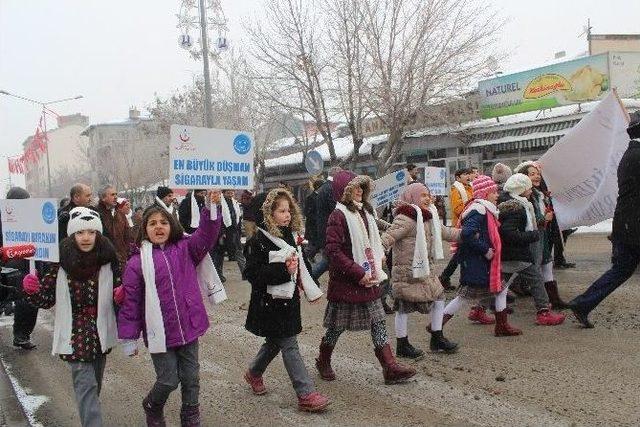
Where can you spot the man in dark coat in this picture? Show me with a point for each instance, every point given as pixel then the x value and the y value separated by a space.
pixel 184 209
pixel 325 204
pixel 626 231
pixel 80 195
pixel 25 315
pixel 310 226
pixel 114 223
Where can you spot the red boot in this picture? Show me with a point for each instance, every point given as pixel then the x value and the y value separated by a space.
pixel 323 363
pixel 480 316
pixel 392 371
pixel 503 328
pixel 546 317
pixel 313 402
pixel 256 383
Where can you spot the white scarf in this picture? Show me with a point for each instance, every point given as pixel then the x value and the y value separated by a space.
pixel 129 217
pixel 361 240
pixel 481 206
pixel 286 290
pixel 195 212
pixel 421 266
pixel 169 209
pixel 462 190
pixel 528 207
pixel 226 213
pixel 106 322
pixel 210 285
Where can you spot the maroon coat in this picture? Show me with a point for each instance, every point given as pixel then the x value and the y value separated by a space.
pixel 344 273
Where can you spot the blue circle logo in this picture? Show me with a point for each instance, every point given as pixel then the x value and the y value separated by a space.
pixel 400 176
pixel 48 212
pixel 242 143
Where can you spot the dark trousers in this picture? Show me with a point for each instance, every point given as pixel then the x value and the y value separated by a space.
pixel 625 259
pixel 24 320
pixel 450 268
pixel 178 366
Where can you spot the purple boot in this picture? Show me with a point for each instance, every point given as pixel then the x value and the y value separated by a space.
pixel 190 416
pixel 154 412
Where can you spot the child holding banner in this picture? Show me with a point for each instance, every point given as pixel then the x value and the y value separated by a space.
pixel 163 302
pixel 278 272
pixel 416 238
pixel 480 256
pixel 355 255
pixel 83 287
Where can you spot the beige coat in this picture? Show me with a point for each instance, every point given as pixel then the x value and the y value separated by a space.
pixel 401 237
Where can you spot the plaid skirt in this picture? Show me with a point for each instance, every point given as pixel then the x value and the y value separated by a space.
pixel 474 293
pixel 353 316
pixel 407 307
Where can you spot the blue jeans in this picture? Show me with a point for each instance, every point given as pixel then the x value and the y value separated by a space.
pixel 320 267
pixel 625 259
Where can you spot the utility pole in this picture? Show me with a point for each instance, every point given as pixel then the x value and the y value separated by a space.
pixel 208 115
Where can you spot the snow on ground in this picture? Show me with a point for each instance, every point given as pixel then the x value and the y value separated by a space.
pixel 30 402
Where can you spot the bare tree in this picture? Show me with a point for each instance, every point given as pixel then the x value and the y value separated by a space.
pixel 290 67
pixel 421 53
pixel 350 75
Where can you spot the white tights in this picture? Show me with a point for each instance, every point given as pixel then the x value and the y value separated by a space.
pixel 402 319
pixel 458 302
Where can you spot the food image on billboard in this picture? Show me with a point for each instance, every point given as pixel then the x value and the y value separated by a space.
pixel 570 82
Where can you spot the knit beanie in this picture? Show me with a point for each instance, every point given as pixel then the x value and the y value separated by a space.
pixel 82 218
pixel 412 192
pixel 501 173
pixel 482 186
pixel 517 184
pixel 163 192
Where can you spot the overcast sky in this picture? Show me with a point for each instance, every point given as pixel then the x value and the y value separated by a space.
pixel 118 53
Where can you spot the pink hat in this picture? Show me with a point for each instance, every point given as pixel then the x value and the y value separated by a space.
pixel 412 192
pixel 482 186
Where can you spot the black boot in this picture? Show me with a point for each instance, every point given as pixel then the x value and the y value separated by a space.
pixel 440 344
pixel 405 349
pixel 581 315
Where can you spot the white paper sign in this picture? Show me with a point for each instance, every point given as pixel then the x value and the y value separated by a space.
pixel 581 168
pixel 33 221
pixel 388 188
pixel 210 158
pixel 436 179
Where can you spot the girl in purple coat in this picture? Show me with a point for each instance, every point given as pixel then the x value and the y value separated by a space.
pixel 163 302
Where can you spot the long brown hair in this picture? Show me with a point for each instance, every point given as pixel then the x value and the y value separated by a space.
pixel 271 203
pixel 176 232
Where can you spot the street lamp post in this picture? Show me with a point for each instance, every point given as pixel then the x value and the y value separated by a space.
pixel 190 19
pixel 44 108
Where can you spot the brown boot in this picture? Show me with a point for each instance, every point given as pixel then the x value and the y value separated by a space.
pixel 503 328
pixel 392 371
pixel 554 296
pixel 323 363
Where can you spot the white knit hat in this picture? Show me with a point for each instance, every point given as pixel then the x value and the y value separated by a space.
pixel 517 184
pixel 82 218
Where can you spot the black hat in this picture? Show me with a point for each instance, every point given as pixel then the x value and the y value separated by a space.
pixel 17 193
pixel 634 125
pixel 163 192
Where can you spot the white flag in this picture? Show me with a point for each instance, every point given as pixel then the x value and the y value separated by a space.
pixel 581 168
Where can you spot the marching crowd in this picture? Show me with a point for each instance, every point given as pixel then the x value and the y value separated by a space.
pixel 125 275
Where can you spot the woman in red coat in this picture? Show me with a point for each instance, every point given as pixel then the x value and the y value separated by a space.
pixel 355 257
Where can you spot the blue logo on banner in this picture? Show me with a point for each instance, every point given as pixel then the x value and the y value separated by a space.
pixel 400 176
pixel 48 212
pixel 242 143
pixel 443 174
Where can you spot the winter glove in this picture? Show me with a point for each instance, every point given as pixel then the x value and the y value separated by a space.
pixel 130 347
pixel 489 254
pixel 118 295
pixel 31 284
